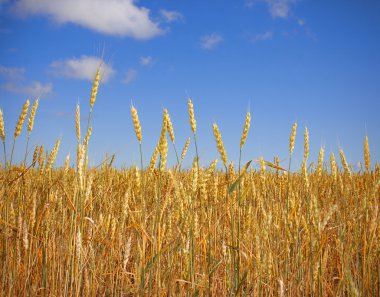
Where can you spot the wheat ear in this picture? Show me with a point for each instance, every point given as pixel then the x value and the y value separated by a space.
pixel 219 143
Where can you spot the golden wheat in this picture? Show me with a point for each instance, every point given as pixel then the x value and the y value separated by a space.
pixel 292 138
pixel 32 116
pixel 245 130
pixel 21 119
pixel 2 129
pixel 219 143
pixel 367 156
pixel 136 123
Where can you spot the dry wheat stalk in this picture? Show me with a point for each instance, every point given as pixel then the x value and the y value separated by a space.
pixel 320 162
pixel 292 138
pixel 77 122
pixel 333 165
pixel 136 123
pixel 95 86
pixel 186 146
pixel 306 145
pixel 193 122
pixel 21 119
pixel 367 156
pixel 169 125
pixel 32 116
pixel 219 143
pixel 2 129
pixel 344 162
pixel 53 155
pixel 153 159
pixel 245 130
pixel 35 155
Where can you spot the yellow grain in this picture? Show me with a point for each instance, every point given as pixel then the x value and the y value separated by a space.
pixel 245 130
pixel 95 86
pixel 186 146
pixel 193 123
pixel 21 119
pixel 32 116
pixel 136 123
pixel 219 143
pixel 292 138
pixel 77 122
pixel 2 129
pixel 367 156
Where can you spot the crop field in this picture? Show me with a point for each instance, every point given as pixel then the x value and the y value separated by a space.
pixel 212 230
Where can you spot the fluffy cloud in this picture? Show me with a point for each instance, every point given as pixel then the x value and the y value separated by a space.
pixel 130 76
pixel 112 17
pixel 12 72
pixel 84 68
pixel 277 8
pixel 145 61
pixel 211 41
pixel 262 37
pixel 171 15
pixel 35 89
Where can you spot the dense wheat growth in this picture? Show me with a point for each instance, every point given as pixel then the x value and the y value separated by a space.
pixel 158 231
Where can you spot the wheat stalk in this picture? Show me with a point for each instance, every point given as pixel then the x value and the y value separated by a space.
pixel 306 145
pixel 21 119
pixel 344 162
pixel 193 122
pixel 95 86
pixel 32 116
pixel 136 123
pixel 320 162
pixel 367 156
pixel 292 138
pixel 2 129
pixel 53 155
pixel 219 144
pixel 77 122
pixel 245 130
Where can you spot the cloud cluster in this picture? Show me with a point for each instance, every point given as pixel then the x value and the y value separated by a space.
pixel 15 83
pixel 211 41
pixel 277 8
pixel 262 37
pixel 171 16
pixel 12 72
pixel 145 61
pixel 112 17
pixel 34 89
pixel 130 76
pixel 83 68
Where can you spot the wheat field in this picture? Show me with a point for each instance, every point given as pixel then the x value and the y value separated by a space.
pixel 215 230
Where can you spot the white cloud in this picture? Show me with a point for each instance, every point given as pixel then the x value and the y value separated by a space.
pixel 35 89
pixel 171 15
pixel 262 37
pixel 130 76
pixel 84 68
pixel 211 41
pixel 12 72
pixel 280 8
pixel 301 22
pixel 145 61
pixel 112 17
pixel 277 8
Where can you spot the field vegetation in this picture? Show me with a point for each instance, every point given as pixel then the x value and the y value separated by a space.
pixel 156 230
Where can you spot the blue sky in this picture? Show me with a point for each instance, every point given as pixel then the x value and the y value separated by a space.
pixel 314 62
